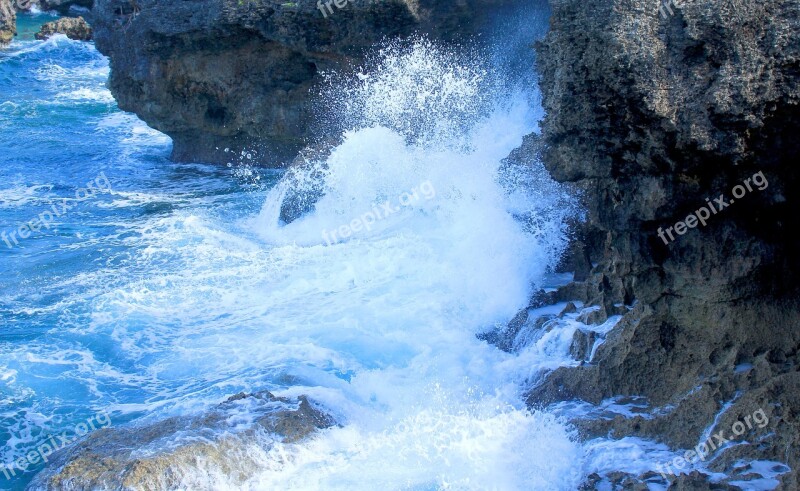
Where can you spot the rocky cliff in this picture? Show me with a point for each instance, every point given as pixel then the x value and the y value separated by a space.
pixel 231 74
pixel 679 124
pixel 8 22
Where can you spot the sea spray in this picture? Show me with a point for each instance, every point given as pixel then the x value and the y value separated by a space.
pixel 440 408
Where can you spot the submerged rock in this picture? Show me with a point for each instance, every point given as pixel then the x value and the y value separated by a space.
pixel 662 111
pixel 73 27
pixel 169 454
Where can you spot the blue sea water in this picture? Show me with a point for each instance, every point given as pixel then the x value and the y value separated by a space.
pixel 59 130
pixel 159 289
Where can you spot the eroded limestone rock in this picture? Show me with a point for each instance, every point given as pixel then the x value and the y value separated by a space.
pixel 8 22
pixel 172 453
pixel 73 27
pixel 649 115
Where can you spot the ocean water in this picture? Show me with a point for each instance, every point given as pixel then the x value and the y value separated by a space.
pixel 151 289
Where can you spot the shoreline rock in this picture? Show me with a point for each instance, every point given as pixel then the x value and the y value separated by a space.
pixel 156 455
pixel 656 114
pixel 75 28
pixel 8 22
pixel 78 30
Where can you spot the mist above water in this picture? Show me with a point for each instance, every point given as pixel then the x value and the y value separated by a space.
pixel 425 405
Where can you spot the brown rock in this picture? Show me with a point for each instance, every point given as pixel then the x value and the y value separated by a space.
pixel 8 22
pixel 61 6
pixel 157 455
pixel 654 115
pixel 73 27
pixel 582 344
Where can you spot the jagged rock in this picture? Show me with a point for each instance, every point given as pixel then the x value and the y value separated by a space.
pixel 655 114
pixel 73 27
pixel 304 182
pixel 582 344
pixel 696 481
pixel 571 308
pixel 231 74
pixel 614 480
pixel 8 22
pixel 503 338
pixel 9 9
pixel 593 317
pixel 576 290
pixel 138 457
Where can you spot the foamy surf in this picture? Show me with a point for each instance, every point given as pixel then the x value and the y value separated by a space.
pixel 199 296
pixel 396 303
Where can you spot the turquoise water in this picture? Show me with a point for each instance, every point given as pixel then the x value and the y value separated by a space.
pixel 59 130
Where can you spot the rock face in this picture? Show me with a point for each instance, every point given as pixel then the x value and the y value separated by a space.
pixel 74 27
pixel 8 22
pixel 136 458
pixel 217 74
pixel 650 111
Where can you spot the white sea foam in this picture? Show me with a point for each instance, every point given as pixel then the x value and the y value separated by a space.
pixel 24 195
pixel 137 133
pixel 87 94
pixel 379 328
